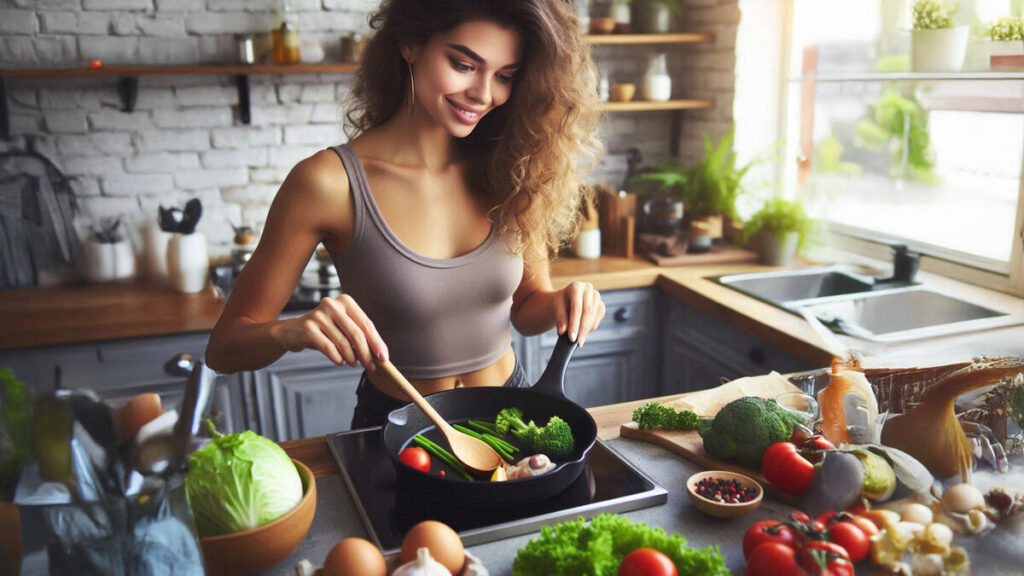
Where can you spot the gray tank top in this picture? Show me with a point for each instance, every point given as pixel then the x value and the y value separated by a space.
pixel 438 317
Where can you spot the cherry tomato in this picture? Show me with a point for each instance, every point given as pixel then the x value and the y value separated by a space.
pixel 647 562
pixel 773 559
pixel 866 526
pixel 800 517
pixel 851 538
pixel 824 559
pixel 786 469
pixel 416 458
pixel 768 531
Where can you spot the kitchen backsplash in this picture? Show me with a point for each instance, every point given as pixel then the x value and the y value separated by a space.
pixel 184 139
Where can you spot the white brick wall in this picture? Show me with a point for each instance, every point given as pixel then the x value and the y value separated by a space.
pixel 184 138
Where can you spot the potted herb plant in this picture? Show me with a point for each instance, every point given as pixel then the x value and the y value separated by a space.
pixel 937 45
pixel 778 230
pixel 1007 34
pixel 709 188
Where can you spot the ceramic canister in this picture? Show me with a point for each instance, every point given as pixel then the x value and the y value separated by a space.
pixel 188 262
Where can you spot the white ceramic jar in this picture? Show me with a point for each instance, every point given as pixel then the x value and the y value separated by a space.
pixel 657 83
pixel 107 261
pixel 588 244
pixel 188 262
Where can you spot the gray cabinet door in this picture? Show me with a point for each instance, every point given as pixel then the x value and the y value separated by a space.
pixel 700 350
pixel 130 367
pixel 304 395
pixel 619 360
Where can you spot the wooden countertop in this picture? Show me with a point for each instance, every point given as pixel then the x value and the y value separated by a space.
pixel 78 314
pixel 313 452
pixel 88 313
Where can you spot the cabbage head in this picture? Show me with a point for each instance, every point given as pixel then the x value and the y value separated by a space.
pixel 239 482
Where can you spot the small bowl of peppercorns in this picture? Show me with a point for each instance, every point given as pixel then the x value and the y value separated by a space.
pixel 724 494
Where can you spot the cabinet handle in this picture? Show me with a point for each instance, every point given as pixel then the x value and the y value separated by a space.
pixel 756 356
pixel 622 315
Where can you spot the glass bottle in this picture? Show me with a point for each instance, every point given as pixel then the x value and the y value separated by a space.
pixel 657 82
pixel 285 37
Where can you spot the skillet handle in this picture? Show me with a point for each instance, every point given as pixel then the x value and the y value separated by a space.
pixel 553 380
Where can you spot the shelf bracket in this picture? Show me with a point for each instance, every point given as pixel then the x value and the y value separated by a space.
pixel 128 88
pixel 244 103
pixel 5 113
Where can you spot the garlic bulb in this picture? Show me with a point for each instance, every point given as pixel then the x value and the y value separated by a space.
pixel 423 565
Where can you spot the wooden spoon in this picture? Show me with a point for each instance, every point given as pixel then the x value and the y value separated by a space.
pixel 475 454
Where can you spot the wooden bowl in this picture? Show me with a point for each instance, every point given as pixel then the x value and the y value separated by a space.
pixel 253 551
pixel 622 92
pixel 723 509
pixel 602 25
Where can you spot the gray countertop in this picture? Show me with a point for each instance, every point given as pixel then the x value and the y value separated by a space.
pixel 999 553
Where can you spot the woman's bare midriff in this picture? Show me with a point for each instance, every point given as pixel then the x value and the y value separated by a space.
pixel 494 375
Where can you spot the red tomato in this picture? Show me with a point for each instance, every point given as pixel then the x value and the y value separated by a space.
pixel 773 559
pixel 824 559
pixel 800 517
pixel 647 562
pixel 851 538
pixel 866 526
pixel 416 458
pixel 768 531
pixel 786 469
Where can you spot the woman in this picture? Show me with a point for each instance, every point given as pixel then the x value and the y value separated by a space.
pixel 471 118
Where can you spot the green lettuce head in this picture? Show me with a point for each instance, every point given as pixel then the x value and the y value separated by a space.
pixel 239 482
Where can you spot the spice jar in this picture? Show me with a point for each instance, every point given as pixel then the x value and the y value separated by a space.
pixel 352 47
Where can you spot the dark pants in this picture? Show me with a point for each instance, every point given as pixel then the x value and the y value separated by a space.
pixel 373 406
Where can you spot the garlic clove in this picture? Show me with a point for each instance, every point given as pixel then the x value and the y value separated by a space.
pixel 423 565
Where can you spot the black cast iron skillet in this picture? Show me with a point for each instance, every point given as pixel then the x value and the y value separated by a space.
pixel 545 399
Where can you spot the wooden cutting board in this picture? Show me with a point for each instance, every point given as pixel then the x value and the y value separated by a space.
pixel 707 403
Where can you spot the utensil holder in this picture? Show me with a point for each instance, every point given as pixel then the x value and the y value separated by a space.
pixel 188 262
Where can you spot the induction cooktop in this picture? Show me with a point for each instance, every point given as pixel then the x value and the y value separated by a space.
pixel 609 483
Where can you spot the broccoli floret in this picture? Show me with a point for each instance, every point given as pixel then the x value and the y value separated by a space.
pixel 553 439
pixel 744 429
pixel 509 419
pixel 657 415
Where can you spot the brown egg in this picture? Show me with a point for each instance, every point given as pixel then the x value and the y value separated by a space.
pixel 444 544
pixel 137 412
pixel 355 557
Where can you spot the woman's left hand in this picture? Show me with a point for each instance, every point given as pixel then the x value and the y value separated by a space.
pixel 578 310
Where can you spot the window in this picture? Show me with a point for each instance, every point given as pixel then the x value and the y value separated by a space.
pixel 882 154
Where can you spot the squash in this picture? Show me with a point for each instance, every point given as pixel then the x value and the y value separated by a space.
pixel 930 431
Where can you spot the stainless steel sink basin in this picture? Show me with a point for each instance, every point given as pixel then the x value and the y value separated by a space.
pixel 906 314
pixel 854 305
pixel 782 286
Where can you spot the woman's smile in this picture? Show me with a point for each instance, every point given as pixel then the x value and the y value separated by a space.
pixel 464 115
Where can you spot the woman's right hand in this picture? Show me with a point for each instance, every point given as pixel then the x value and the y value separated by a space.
pixel 339 329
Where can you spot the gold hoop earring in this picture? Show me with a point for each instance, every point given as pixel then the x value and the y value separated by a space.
pixel 412 88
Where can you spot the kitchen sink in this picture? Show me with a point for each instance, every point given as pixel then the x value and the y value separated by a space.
pixel 906 314
pixel 783 286
pixel 856 305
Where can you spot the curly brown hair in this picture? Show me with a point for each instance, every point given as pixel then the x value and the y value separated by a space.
pixel 527 155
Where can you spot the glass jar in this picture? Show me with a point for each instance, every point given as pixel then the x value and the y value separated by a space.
pixel 657 83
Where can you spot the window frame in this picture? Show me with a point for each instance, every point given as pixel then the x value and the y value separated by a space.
pixel 859 241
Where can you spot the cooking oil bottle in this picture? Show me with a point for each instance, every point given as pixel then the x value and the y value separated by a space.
pixel 285 37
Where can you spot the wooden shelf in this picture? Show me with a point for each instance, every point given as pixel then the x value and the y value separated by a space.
pixel 640 106
pixel 225 69
pixel 621 39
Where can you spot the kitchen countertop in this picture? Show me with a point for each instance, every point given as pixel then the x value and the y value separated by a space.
pixel 995 555
pixel 78 314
